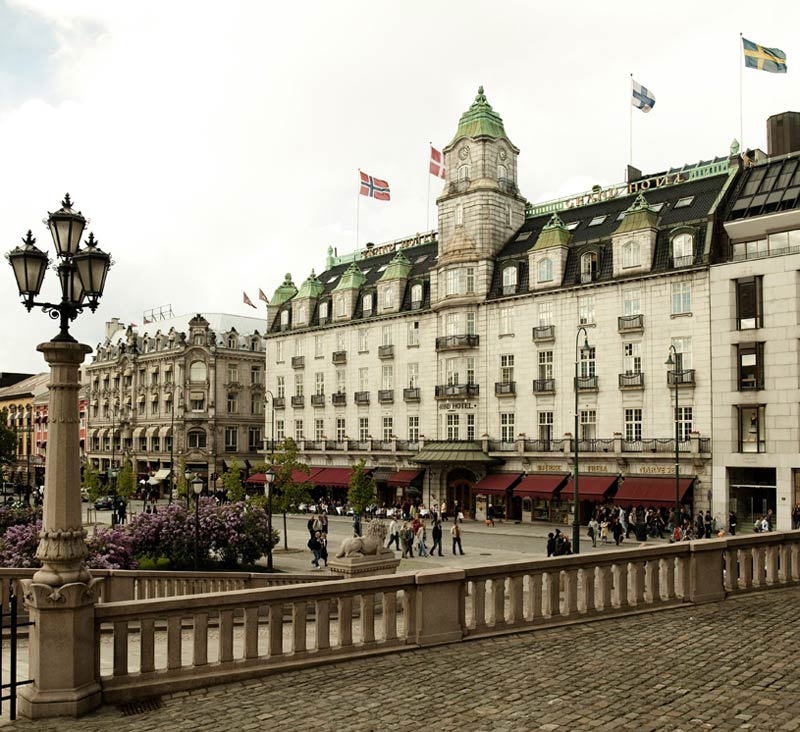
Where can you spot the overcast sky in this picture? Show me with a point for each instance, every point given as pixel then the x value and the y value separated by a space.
pixel 215 146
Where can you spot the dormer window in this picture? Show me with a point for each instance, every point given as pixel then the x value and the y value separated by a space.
pixel 284 319
pixel 231 341
pixel 323 311
pixel 683 250
pixel 388 298
pixel 545 270
pixel 416 296
pixel 589 267
pixel 340 312
pixel 510 280
pixel 631 254
pixel 366 304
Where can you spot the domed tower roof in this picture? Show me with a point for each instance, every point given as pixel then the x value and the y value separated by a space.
pixel 285 292
pixel 480 120
pixel 312 287
pixel 398 268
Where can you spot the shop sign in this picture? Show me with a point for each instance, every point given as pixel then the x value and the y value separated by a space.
pixel 458 405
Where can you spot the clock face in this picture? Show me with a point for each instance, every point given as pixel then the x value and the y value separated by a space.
pixel 503 155
pixel 463 153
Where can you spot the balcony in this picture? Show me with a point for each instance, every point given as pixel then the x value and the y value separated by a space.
pixel 631 381
pixel 339 399
pixel 361 445
pixel 416 304
pixel 456 391
pixel 544 333
pixel 457 342
pixel 502 446
pixel 510 289
pixel 505 388
pixel 657 445
pixel 317 400
pixel 411 394
pixel 385 352
pixel 544 386
pixel 361 398
pixel 587 277
pixel 407 445
pixel 298 401
pixel 338 445
pixel 685 261
pixel 683 378
pixel 386 396
pixel 298 362
pixel 385 445
pixel 279 403
pixel 630 323
pixel 340 357
pixel 545 445
pixel 586 383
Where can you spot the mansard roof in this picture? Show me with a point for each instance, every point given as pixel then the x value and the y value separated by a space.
pixel 766 188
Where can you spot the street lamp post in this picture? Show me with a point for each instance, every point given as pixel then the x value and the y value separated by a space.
pixel 270 477
pixel 673 364
pixel 197 487
pixel 172 449
pixel 61 594
pixel 112 471
pixel 576 525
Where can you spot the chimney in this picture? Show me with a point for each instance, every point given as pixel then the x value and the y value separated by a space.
pixel 783 133
pixel 112 326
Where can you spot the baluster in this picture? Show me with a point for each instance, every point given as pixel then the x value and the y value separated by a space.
pixel 536 610
pixel 299 626
pixel 389 616
pixel 758 566
pixel 637 582
pixel 772 564
pixel 225 636
pixel 479 604
pixel 174 659
pixel 516 600
pixel 200 641
pixel 570 592
pixel 275 630
pixel 368 619
pixel 784 564
pixel 121 648
pixel 621 584
pixel 251 632
pixel 745 568
pixel 409 615
pixel 605 587
pixel 499 601
pixel 553 594
pixel 795 554
pixel 669 578
pixel 587 580
pixel 345 621
pixel 147 646
pixel 323 625
pixel 652 592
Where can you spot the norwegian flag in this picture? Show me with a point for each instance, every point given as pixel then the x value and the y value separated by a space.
pixel 262 296
pixel 437 163
pixel 247 301
pixel 374 187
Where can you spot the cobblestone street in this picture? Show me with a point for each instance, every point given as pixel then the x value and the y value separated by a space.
pixel 718 667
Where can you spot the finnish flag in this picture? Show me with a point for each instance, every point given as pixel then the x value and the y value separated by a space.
pixel 642 98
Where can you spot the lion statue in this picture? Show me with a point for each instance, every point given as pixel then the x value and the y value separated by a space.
pixel 371 543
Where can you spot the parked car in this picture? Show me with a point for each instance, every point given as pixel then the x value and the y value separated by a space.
pixel 104 503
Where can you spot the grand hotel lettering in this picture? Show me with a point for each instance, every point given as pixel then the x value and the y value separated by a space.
pixel 606 194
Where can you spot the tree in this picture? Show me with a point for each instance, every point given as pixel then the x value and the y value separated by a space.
pixel 362 488
pixel 91 481
pixel 232 483
pixel 126 480
pixel 8 441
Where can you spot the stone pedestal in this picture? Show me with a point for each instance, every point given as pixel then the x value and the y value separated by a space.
pixel 365 566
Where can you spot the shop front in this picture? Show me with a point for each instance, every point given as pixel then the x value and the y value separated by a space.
pixel 536 498
pixel 593 491
pixel 493 495
pixel 648 491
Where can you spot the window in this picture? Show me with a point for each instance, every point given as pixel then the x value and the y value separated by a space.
pixel 143 443
pixel 748 303
pixel 363 341
pixel 588 424
pixel 231 439
pixel 366 304
pixel 506 321
pixel 596 221
pixel 632 358
pixel 586 310
pixel 319 382
pixel 470 323
pixel 416 296
pixel 545 270
pixel 632 302
pixel 154 407
pixel 280 387
pixel 232 341
pixel 453 282
pixel 502 173
pixel 278 351
pixel 681 298
pixel 363 379
pixel 684 423
pixel 683 348
pixel 255 404
pixel 470 280
pixel 587 363
pixel 463 173
pixel 197 401
pixel 413 428
pixel 413 375
pixel 341 340
pixel 341 429
pixel 298 429
pixel 298 347
pixel 363 429
pixel 453 426
pixel 255 375
pixel 413 333
pixel 507 427
pixel 323 311
pixel 470 369
pixel 340 311
pixel 751 366
pixel 299 389
pixel 388 297
pixel 631 254
pixel 284 319
pixel 546 426
pixel 588 266
pixel 319 429
pixel 168 443
pixel 387 377
pixel 254 441
pixel 341 381
pixel 507 368
pixel 682 250
pixel 572 225
pixel 470 426
pixel 196 439
pixel 280 430
pixel 633 425
pixel 459 214
pixel 452 323
pixel 752 428
pixel 545 364
pixel 233 403
pixel 388 428
pixel 546 313
pixel 451 371
pixel 509 280
pixel 684 202
pixel 197 371
pixel 386 335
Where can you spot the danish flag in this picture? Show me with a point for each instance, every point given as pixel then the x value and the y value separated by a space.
pixel 437 163
pixel 374 187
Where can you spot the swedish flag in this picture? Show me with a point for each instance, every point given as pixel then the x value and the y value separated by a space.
pixel 763 58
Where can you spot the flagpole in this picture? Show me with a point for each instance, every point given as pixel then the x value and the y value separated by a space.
pixel 358 205
pixel 428 199
pixel 741 105
pixel 630 125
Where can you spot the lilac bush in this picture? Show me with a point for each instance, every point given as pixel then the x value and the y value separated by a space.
pixel 18 545
pixel 110 548
pixel 18 513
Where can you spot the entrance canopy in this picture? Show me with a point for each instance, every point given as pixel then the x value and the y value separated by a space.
pixel 648 491
pixel 590 487
pixel 161 474
pixel 456 453
pixel 496 484
pixel 540 485
pixel 403 478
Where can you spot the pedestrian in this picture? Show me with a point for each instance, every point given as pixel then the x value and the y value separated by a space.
pixel 310 526
pixel 616 530
pixel 323 548
pixel 770 520
pixel 422 550
pixel 455 533
pixel 122 511
pixel 490 515
pixel 315 546
pixel 444 512
pixel 732 523
pixel 407 538
pixel 324 521
pixel 551 544
pixel 594 530
pixel 356 525
pixel 765 524
pixel 707 524
pixel 796 517
pixel 394 533
pixel 631 524
pixel 436 532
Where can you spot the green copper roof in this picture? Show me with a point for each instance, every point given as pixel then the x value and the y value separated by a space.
pixel 456 453
pixel 312 287
pixel 352 279
pixel 480 120
pixel 285 292
pixel 639 216
pixel 553 234
pixel 398 268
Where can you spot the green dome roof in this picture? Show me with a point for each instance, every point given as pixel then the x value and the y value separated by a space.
pixel 554 234
pixel 639 216
pixel 398 268
pixel 480 120
pixel 312 287
pixel 352 279
pixel 285 292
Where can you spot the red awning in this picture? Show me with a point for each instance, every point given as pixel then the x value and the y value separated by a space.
pixel 590 487
pixel 334 477
pixel 540 485
pixel 403 478
pixel 298 476
pixel 497 483
pixel 649 491
pixel 257 478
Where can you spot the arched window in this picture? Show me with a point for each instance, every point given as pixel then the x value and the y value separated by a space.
pixel 198 371
pixel 196 439
pixel 545 273
pixel 510 279
pixel 588 267
pixel 284 319
pixel 463 173
pixel 683 250
pixel 323 311
pixel 631 254
pixel 388 298
pixel 255 343
pixel 502 173
pixel 232 341
pixel 416 296
pixel 366 304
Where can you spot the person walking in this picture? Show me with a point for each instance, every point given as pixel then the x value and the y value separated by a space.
pixel 323 548
pixel 443 512
pixel 315 546
pixel 436 533
pixel 594 530
pixel 356 525
pixel 732 523
pixel 394 534
pixel 455 534
pixel 616 530
pixel 422 550
pixel 707 524
pixel 407 537
pixel 490 515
